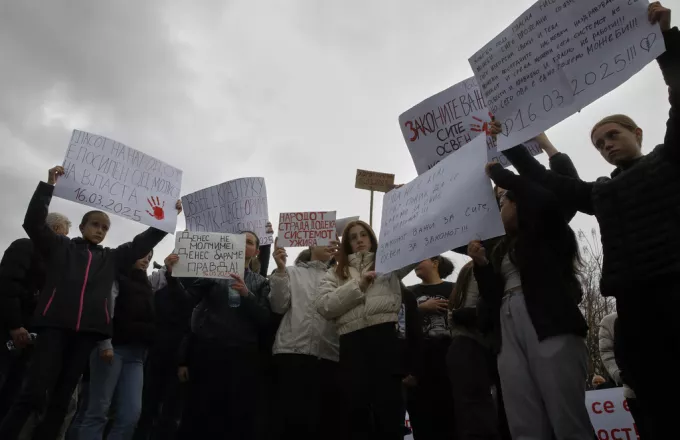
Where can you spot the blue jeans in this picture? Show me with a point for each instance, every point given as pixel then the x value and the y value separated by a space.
pixel 124 378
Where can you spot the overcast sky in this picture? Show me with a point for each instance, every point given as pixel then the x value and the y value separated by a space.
pixel 300 92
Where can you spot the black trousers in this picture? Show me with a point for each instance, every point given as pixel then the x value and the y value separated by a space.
pixel 309 404
pixel 649 325
pixel 163 394
pixel 370 364
pixel 471 378
pixel 222 392
pixel 634 408
pixel 14 366
pixel 430 403
pixel 59 358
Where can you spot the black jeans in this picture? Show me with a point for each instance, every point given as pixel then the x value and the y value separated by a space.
pixel 309 405
pixel 471 378
pixel 370 364
pixel 222 395
pixel 59 358
pixel 14 365
pixel 163 394
pixel 429 403
pixel 649 326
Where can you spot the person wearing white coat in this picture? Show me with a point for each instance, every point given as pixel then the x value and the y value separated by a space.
pixel 365 307
pixel 306 349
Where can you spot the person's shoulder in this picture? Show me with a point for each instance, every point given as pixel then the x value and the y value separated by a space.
pixel 22 245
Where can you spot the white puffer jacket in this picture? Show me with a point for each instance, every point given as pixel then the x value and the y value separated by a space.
pixel 350 308
pixel 303 330
pixel 606 342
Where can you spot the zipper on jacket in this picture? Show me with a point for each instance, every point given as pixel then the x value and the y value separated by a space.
pixel 82 291
pixel 106 310
pixel 49 302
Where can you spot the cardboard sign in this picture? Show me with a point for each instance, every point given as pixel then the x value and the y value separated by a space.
pixel 558 57
pixel 440 125
pixel 231 207
pixel 448 206
pixel 341 224
pixel 112 177
pixel 374 181
pixel 209 255
pixel 304 229
pixel 610 415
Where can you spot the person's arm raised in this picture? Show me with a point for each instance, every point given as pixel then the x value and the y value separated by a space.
pixel 42 236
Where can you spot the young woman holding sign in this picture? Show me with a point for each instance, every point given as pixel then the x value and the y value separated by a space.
pixel 365 307
pixel 221 358
pixel 306 349
pixel 529 304
pixel 71 315
pixel 637 213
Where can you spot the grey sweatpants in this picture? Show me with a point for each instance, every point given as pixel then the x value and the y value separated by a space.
pixel 544 383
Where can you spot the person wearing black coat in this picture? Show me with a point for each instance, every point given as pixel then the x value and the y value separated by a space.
pixel 72 311
pixel 529 304
pixel 636 209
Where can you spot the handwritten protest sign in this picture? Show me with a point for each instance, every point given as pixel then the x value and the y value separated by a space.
pixel 209 255
pixel 303 229
pixel 558 57
pixel 441 124
pixel 112 177
pixel 230 207
pixel 374 181
pixel 448 206
pixel 610 415
pixel 341 224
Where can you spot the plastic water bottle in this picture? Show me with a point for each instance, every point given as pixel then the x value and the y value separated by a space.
pixel 10 343
pixel 234 296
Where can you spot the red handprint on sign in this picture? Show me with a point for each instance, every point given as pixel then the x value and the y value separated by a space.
pixel 484 128
pixel 156 207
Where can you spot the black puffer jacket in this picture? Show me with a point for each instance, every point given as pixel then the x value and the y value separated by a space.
pixel 80 275
pixel 133 319
pixel 638 207
pixel 22 275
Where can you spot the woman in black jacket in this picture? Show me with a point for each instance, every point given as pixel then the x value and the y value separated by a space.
pixel 530 294
pixel 72 310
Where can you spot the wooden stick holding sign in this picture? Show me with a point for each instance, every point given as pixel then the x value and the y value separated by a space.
pixel 374 181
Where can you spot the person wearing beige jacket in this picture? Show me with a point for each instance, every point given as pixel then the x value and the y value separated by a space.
pixel 365 307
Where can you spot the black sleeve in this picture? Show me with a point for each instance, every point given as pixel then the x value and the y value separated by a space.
pixel 265 252
pixel 42 236
pixel 414 332
pixel 139 247
pixel 491 287
pixel 574 192
pixel 561 164
pixel 14 269
pixel 256 304
pixel 465 316
pixel 669 62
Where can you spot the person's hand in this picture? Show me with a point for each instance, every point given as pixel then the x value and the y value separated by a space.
pixel 434 305
pixel 477 252
pixel 488 166
pixel 20 337
pixel 239 285
pixel 495 128
pixel 183 374
pixel 395 186
pixel 106 356
pixel 545 144
pixel 334 248
pixel 366 280
pixel 178 207
pixel 54 173
pixel 410 381
pixel 280 257
pixel 269 229
pixel 170 262
pixel 659 14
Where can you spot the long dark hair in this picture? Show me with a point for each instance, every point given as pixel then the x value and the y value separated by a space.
pixel 460 291
pixel 341 270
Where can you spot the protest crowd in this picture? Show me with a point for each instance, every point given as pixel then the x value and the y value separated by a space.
pixel 330 347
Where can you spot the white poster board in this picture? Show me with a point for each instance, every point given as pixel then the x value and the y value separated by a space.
pixel 231 207
pixel 558 57
pixel 441 124
pixel 304 229
pixel 209 255
pixel 450 205
pixel 341 224
pixel 112 177
pixel 610 415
